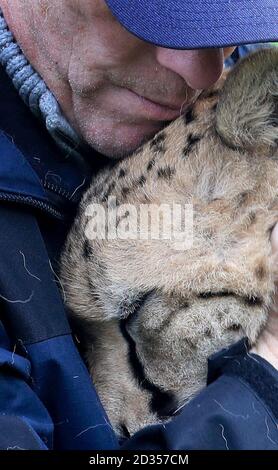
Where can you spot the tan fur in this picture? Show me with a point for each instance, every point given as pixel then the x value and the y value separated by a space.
pixel 199 300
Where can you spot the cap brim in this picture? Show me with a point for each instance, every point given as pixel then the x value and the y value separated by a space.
pixel 194 24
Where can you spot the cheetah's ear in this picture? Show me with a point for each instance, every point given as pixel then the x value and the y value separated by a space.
pixel 247 113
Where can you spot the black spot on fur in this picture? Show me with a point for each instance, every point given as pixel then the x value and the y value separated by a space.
pixel 125 191
pixel 122 173
pixel 158 142
pixel 191 142
pixel 208 333
pixel 184 304
pixel 167 172
pixel 141 181
pixel 108 192
pixel 151 164
pixel 234 327
pixel 124 216
pixel 214 107
pixel 243 197
pixel 104 197
pixel 189 116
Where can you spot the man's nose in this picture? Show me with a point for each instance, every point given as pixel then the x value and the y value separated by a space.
pixel 199 68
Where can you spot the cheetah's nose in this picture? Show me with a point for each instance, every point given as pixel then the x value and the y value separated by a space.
pixel 199 68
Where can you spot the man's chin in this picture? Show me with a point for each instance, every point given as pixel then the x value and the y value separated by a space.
pixel 120 144
pixel 118 152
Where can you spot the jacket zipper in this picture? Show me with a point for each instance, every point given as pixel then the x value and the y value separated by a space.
pixel 57 190
pixel 31 202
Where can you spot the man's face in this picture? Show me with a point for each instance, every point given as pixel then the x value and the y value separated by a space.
pixel 115 89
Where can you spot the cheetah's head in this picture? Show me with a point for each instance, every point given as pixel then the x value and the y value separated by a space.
pixel 155 313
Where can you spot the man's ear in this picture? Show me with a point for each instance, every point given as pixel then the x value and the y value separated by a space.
pixel 247 113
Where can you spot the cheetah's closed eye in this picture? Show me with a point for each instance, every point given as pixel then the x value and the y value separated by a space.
pixel 150 315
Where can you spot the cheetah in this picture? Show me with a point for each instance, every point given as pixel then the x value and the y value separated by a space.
pixel 149 314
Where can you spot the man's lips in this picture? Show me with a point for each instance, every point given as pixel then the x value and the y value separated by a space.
pixel 172 107
pixel 152 109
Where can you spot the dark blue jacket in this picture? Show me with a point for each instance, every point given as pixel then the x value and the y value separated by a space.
pixel 47 400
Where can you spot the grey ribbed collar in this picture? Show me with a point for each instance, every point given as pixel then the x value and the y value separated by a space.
pixel 34 92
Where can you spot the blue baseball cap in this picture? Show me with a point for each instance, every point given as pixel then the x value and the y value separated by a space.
pixel 194 24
